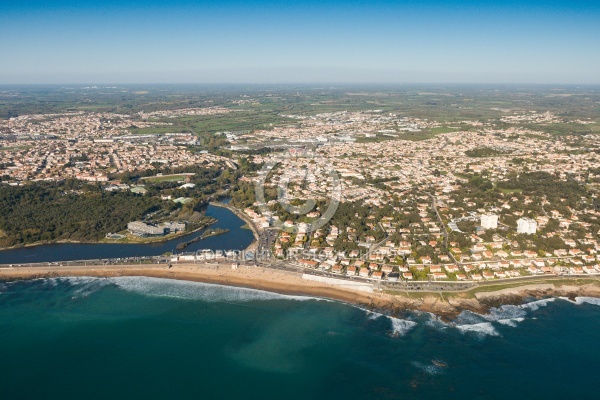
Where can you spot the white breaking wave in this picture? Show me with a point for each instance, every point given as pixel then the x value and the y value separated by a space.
pixel 197 290
pixel 508 315
pixel 583 300
pixel 469 318
pixel 372 315
pixel 505 312
pixel 73 280
pixel 569 300
pixel 401 327
pixel 82 286
pixel 436 322
pixel 588 300
pixel 480 324
pixel 535 305
pixel 481 329
pixel 468 321
pixel 86 286
pixel 159 287
pixel 512 322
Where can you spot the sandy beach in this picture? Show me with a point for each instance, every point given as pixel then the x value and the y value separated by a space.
pixel 250 277
pixel 444 305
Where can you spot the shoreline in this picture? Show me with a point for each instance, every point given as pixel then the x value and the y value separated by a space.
pixel 445 305
pixel 251 278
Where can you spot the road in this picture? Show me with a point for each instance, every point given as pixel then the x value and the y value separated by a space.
pixel 442 227
pixel 292 266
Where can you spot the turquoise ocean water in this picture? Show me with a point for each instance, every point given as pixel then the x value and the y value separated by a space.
pixel 130 338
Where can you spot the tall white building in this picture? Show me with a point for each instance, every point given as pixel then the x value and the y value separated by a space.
pixel 489 221
pixel 527 226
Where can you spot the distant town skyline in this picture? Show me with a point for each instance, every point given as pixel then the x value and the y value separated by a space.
pixel 267 41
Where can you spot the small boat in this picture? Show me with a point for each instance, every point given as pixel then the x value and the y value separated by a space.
pixel 439 363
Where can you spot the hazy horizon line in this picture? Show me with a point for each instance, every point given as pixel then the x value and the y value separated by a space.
pixel 304 83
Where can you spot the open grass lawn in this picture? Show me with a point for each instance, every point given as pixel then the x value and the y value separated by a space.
pixel 444 129
pixel 14 148
pixel 165 178
pixel 510 191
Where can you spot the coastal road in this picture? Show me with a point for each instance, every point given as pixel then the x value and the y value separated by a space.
pixel 161 262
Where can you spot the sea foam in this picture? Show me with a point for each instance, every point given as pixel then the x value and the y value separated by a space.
pixel 512 322
pixel 505 312
pixel 481 329
pixel 535 305
pixel 401 327
pixel 583 300
pixel 435 321
pixel 588 300
pixel 198 291
pixel 81 286
pixel 372 315
pixel 482 324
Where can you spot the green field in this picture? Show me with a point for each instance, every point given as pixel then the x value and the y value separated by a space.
pixel 159 130
pixel 231 122
pixel 15 148
pixel 562 129
pixel 510 191
pixel 165 178
pixel 547 280
pixel 416 136
pixel 443 129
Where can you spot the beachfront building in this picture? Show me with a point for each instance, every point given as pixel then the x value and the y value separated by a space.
pixel 489 221
pixel 527 226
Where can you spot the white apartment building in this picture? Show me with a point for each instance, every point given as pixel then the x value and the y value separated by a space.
pixel 489 221
pixel 527 226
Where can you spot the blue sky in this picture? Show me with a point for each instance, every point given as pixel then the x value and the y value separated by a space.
pixel 129 41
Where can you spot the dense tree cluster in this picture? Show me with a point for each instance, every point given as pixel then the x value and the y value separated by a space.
pixel 545 184
pixel 66 211
pixel 484 152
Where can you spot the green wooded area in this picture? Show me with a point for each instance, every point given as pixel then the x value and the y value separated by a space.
pixel 66 211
